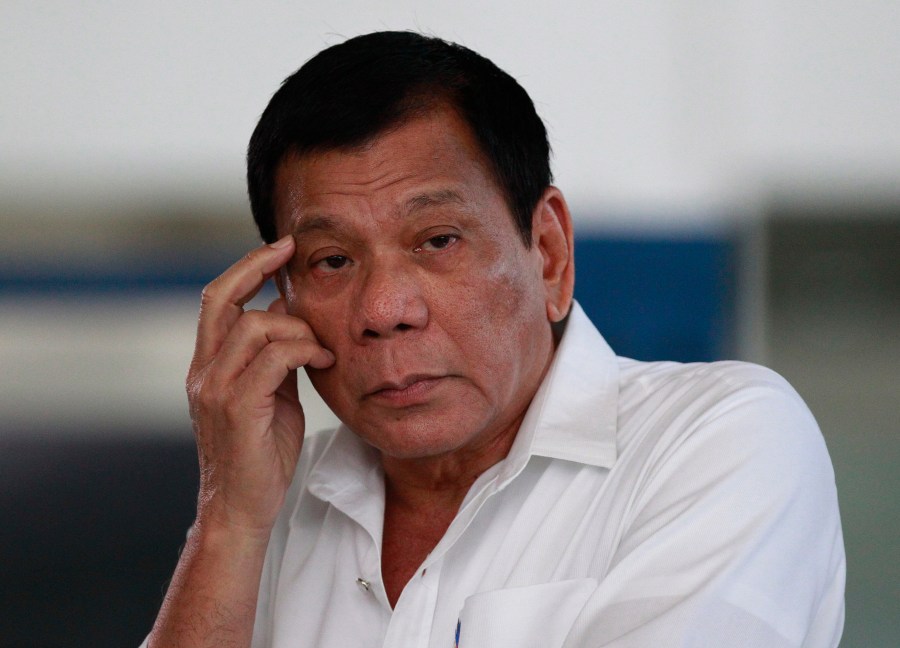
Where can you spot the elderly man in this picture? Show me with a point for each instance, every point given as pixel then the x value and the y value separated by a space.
pixel 500 477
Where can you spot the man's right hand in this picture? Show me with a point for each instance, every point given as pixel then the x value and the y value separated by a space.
pixel 242 389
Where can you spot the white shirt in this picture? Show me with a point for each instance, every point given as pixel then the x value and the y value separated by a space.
pixel 642 504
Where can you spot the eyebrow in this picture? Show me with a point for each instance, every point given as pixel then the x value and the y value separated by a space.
pixel 434 199
pixel 329 224
pixel 317 223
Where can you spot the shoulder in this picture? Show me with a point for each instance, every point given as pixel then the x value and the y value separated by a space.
pixel 723 464
pixel 730 430
pixel 676 400
pixel 710 379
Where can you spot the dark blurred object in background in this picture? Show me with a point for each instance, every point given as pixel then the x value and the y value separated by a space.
pixel 90 534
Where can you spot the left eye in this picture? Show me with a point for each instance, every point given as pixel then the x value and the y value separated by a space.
pixel 438 242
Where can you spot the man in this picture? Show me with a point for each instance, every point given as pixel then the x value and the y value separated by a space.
pixel 501 478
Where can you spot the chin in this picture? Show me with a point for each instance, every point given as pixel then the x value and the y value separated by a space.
pixel 411 439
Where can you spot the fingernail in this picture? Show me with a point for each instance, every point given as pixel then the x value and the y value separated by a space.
pixel 281 243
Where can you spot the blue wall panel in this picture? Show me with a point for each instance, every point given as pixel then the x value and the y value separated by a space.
pixel 659 299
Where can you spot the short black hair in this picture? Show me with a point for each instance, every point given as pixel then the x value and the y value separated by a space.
pixel 348 94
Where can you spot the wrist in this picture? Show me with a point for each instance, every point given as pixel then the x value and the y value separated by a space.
pixel 212 529
pixel 217 513
pixel 213 596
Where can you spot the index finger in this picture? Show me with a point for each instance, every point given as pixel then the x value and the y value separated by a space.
pixel 223 299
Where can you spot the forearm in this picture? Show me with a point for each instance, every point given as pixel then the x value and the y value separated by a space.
pixel 212 598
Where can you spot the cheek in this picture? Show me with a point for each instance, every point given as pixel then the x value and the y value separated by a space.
pixel 321 317
pixel 506 314
pixel 516 289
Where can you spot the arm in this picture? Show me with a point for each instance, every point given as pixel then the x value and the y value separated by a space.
pixel 247 419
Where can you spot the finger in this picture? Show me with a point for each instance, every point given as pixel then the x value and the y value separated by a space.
pixel 252 332
pixel 288 390
pixel 278 306
pixel 274 363
pixel 224 298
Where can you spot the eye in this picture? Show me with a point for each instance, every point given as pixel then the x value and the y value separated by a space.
pixel 331 263
pixel 440 242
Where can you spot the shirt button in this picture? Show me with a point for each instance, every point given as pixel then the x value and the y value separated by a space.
pixel 364 585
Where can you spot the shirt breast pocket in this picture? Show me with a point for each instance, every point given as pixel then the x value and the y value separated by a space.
pixel 521 617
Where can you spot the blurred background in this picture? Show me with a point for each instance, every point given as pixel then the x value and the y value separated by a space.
pixel 733 169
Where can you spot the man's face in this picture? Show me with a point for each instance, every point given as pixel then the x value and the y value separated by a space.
pixel 409 268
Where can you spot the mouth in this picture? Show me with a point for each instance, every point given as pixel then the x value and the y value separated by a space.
pixel 410 390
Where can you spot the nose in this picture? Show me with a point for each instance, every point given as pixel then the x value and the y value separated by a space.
pixel 390 302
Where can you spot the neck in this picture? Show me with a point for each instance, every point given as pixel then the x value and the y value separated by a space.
pixel 422 497
pixel 442 481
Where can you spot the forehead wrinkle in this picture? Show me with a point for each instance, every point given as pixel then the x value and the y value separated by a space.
pixel 434 199
pixel 371 174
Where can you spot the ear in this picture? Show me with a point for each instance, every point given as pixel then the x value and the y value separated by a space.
pixel 553 237
pixel 286 292
pixel 280 278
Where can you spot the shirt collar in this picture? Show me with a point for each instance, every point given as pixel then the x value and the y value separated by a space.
pixel 348 474
pixel 573 415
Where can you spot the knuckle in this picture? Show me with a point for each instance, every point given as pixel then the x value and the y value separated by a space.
pixel 249 324
pixel 231 409
pixel 277 356
pixel 296 328
pixel 193 383
pixel 250 260
pixel 296 353
pixel 208 294
pixel 206 400
pixel 254 319
pixel 270 355
pixel 304 328
pixel 203 394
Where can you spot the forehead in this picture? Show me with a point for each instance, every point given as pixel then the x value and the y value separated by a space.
pixel 434 154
